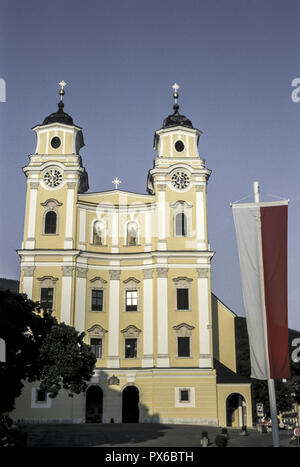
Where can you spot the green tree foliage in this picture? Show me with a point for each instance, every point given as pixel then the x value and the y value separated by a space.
pixel 286 392
pixel 38 348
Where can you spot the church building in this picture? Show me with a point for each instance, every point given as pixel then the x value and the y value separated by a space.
pixel 133 272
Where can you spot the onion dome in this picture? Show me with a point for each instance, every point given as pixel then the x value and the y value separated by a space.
pixel 60 116
pixel 176 119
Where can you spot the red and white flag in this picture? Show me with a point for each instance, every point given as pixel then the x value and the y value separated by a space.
pixel 261 231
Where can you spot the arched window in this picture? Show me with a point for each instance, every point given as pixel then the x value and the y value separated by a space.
pixel 181 224
pixel 50 222
pixel 132 234
pixel 98 231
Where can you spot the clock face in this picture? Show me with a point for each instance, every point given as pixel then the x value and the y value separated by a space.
pixel 180 180
pixel 53 178
pixel 55 142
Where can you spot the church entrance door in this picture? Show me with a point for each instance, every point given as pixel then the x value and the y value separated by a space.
pixel 94 405
pixel 130 405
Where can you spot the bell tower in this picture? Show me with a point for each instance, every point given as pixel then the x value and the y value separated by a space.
pixel 55 175
pixel 178 179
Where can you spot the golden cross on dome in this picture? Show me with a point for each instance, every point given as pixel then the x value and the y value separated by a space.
pixel 175 94
pixel 116 181
pixel 62 91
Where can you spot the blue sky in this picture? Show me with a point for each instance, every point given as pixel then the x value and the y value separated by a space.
pixel 234 61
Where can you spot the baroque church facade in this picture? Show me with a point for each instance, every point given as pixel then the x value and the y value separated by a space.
pixel 133 272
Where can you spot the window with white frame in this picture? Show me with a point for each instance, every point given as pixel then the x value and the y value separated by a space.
pixel 184 397
pixel 131 348
pixel 50 219
pixel 131 294
pixel 47 292
pixel 131 300
pixel 131 341
pixel 183 293
pixel 182 218
pixel 50 222
pixel 183 346
pixel 97 294
pixel 97 339
pixel 96 344
pixel 97 300
pixel 46 301
pixel 180 225
pixel 183 340
pixel 40 399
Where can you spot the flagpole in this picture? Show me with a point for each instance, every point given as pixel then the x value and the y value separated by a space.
pixel 271 385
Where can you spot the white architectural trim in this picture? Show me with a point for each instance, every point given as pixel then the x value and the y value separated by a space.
pixel 200 220
pixel 113 360
pixel 68 243
pixel 205 360
pixel 82 229
pixel 162 322
pixel 147 360
pixel 186 404
pixel 30 242
pixel 66 298
pixel 80 300
pixel 39 405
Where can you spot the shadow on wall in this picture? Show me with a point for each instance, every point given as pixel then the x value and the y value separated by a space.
pixel 112 414
pixel 106 401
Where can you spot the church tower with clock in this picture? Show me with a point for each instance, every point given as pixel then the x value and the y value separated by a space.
pixel 133 272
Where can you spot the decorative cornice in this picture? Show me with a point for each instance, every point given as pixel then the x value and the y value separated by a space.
pixel 131 328
pixel 162 272
pixel 45 278
pixel 185 279
pixel 97 329
pixel 115 274
pixel 183 325
pixel 51 200
pixel 98 279
pixel 131 279
pixel 185 204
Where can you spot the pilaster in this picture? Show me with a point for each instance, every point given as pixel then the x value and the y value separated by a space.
pixel 162 318
pixel 147 360
pixel 205 359
pixel 113 359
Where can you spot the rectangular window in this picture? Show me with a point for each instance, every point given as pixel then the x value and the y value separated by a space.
pixel 97 300
pixel 40 396
pixel 131 300
pixel 182 299
pixel 47 298
pixel 130 348
pixel 183 344
pixel 96 345
pixel 184 395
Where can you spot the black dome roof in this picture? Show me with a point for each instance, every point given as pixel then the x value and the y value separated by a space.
pixel 176 119
pixel 59 117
